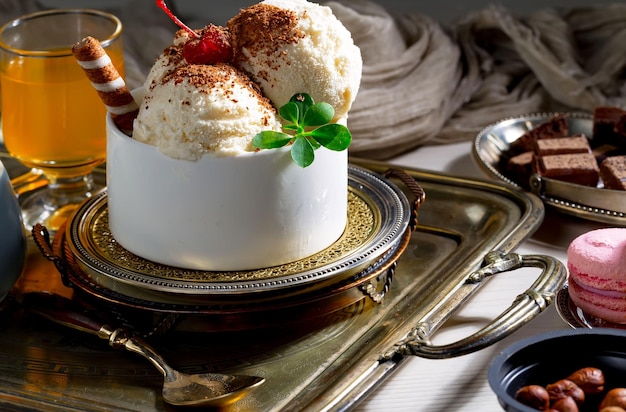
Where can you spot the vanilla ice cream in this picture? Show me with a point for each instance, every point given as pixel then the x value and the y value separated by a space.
pixel 279 48
pixel 295 46
pixel 200 109
pixel 171 59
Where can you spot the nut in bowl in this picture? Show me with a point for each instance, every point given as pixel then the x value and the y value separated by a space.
pixel 586 365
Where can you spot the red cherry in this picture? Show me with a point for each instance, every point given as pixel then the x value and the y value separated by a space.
pixel 213 47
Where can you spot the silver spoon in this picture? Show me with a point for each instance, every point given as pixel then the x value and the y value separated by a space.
pixel 206 389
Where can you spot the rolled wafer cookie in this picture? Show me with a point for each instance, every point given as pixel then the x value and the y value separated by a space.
pixel 107 81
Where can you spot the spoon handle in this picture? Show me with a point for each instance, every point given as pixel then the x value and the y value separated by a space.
pixel 120 338
pixel 68 313
pixel 178 388
pixel 65 312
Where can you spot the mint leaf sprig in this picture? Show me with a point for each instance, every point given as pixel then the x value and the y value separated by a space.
pixel 308 129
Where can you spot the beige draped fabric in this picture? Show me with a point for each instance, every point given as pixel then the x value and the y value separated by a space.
pixel 444 84
pixel 425 83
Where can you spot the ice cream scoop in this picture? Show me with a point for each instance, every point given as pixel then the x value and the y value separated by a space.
pixel 169 60
pixel 200 109
pixel 295 46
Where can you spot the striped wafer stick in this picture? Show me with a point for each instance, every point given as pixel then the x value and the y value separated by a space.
pixel 107 81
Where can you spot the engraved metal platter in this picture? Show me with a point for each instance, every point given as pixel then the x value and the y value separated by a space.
pixel 325 363
pixel 378 219
pixel 575 317
pixel 590 203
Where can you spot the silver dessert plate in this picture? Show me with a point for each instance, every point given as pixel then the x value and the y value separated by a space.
pixel 591 203
pixel 576 317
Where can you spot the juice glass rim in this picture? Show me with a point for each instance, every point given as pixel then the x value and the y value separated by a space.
pixel 63 52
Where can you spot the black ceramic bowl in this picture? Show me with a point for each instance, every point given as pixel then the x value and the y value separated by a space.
pixel 552 356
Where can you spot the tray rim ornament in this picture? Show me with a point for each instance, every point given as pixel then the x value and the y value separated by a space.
pixel 594 204
pixel 386 202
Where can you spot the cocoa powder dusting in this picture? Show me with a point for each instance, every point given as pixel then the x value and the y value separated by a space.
pixel 263 30
pixel 173 56
pixel 206 77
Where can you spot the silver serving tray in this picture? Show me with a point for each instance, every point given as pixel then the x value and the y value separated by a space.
pixel 325 363
pixel 596 204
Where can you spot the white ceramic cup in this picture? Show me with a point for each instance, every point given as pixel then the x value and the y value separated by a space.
pixel 12 236
pixel 223 213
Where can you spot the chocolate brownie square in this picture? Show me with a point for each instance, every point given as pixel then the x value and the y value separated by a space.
pixel 562 145
pixel 552 128
pixel 613 172
pixel 579 168
pixel 519 168
pixel 609 126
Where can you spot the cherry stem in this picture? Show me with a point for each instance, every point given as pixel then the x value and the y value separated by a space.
pixel 163 6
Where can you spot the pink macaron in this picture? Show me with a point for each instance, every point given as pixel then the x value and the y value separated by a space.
pixel 596 262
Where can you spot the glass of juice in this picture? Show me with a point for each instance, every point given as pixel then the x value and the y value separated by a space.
pixel 52 118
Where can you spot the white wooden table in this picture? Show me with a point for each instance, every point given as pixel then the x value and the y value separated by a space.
pixel 460 384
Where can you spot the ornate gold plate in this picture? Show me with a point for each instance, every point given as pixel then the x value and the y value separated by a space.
pixel 378 218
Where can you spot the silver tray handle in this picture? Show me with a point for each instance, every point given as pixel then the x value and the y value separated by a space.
pixel 524 308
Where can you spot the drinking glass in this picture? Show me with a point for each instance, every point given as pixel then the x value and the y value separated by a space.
pixel 52 118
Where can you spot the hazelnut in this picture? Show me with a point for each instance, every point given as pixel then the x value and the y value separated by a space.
pixel 535 396
pixel 565 405
pixel 590 380
pixel 563 389
pixel 614 397
pixel 612 409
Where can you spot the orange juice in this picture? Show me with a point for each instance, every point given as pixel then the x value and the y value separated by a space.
pixel 56 121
